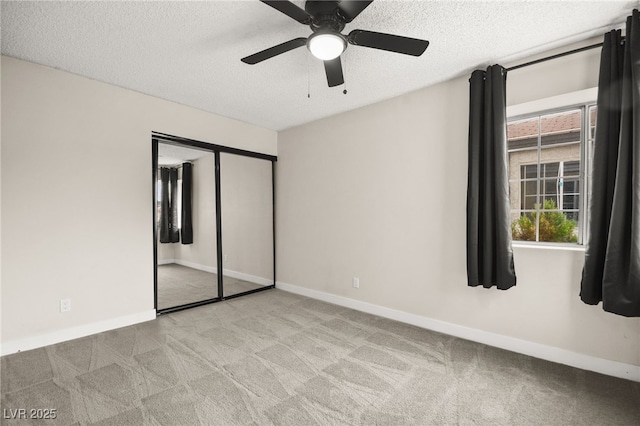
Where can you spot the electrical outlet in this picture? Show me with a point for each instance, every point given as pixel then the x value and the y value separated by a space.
pixel 226 258
pixel 356 282
pixel 65 305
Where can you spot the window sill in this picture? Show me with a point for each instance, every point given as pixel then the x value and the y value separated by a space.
pixel 549 246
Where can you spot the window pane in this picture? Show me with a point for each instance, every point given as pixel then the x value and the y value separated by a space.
pixel 558 227
pixel 530 188
pixel 550 169
pixel 592 121
pixel 574 217
pixel 571 186
pixel 562 128
pixel 571 168
pixel 524 227
pixel 529 202
pixel 530 171
pixel 553 155
pixel 570 202
pixel 528 194
pixel 550 202
pixel 158 201
pixel 179 201
pixel 522 134
pixel 550 187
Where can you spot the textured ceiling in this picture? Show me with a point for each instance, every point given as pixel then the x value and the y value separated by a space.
pixel 189 52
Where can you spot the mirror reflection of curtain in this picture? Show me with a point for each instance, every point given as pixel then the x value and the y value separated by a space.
pixel 186 228
pixel 169 232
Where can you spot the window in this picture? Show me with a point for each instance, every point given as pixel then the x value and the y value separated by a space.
pixel 158 199
pixel 548 164
pixel 177 198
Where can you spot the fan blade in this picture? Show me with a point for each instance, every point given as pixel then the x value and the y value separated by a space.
pixel 352 8
pixel 290 9
pixel 333 68
pixel 390 42
pixel 274 51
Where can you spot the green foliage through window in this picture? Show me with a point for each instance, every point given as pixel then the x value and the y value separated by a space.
pixel 554 225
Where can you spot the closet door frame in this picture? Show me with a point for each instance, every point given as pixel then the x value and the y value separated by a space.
pixel 157 138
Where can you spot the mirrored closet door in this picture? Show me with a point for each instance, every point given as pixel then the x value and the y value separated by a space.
pixel 247 223
pixel 214 212
pixel 186 220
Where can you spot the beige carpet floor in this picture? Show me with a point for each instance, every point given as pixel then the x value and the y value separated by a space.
pixel 179 285
pixel 278 358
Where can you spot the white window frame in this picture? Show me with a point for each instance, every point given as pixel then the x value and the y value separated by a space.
pixel 581 99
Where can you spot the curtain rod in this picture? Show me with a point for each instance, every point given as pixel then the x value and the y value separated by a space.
pixel 559 55
pixel 169 166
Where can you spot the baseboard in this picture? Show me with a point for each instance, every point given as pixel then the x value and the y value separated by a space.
pixel 536 350
pixel 166 261
pixel 199 267
pixel 227 272
pixel 246 277
pixel 76 332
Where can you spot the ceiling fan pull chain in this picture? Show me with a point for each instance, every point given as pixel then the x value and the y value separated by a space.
pixel 345 74
pixel 308 76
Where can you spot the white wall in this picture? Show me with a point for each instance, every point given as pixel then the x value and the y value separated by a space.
pixel 380 193
pixel 77 198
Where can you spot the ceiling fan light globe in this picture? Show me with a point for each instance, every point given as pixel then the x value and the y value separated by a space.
pixel 326 46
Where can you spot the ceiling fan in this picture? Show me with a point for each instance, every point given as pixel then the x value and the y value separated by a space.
pixel 327 19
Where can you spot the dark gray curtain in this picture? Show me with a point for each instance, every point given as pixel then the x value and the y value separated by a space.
pixel 169 209
pixel 611 272
pixel 175 230
pixel 186 228
pixel 165 211
pixel 489 253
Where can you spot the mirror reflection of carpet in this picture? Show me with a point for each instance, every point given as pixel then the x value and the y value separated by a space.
pixel 179 285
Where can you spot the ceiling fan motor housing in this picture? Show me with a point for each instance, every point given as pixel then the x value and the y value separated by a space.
pixel 325 16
